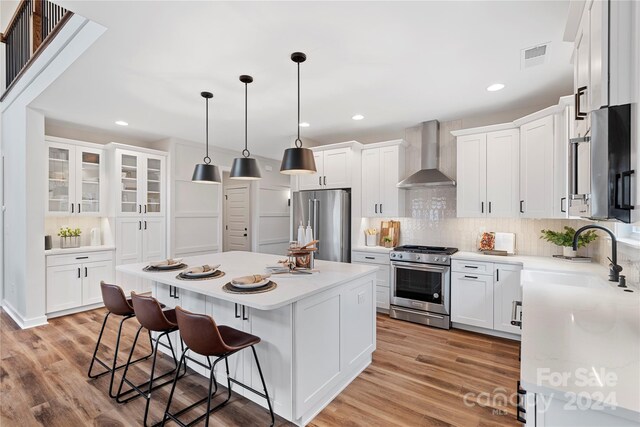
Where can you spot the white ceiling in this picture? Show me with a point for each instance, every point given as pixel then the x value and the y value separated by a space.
pixel 397 63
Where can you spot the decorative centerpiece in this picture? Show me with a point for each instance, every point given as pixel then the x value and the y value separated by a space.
pixel 565 239
pixel 388 241
pixel 69 238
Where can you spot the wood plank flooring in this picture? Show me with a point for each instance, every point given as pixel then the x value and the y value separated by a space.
pixel 419 377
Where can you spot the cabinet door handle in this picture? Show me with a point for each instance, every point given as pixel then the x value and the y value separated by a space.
pixel 579 114
pixel 73 205
pixel 521 206
pixel 139 208
pixel 489 207
pixel 145 208
pixel 170 291
pixel 139 225
pixel 481 207
pixel 79 272
pixel 562 202
pixel 376 207
pixel 497 274
pixel 244 317
pixel 319 180
pixel 236 312
pixel 86 273
pixel 621 196
pixel 380 207
pixel 145 225
pixel 79 209
pixel 472 277
pixel 82 257
pixel 325 180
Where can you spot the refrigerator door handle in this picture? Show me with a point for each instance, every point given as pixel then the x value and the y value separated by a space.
pixel 316 232
pixel 310 210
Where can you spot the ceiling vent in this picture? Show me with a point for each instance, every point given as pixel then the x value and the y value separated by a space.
pixel 534 56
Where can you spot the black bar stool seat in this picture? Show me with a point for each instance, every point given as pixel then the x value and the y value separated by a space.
pixel 202 336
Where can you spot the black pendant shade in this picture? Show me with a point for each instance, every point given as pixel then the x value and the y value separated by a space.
pixel 205 172
pixel 245 167
pixel 298 160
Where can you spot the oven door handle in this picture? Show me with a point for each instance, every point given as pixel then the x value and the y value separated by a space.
pixel 423 267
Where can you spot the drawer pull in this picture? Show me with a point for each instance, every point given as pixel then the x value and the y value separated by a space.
pixel 82 257
pixel 470 266
pixel 369 257
pixel 471 277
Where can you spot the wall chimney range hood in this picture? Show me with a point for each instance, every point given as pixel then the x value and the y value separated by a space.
pixel 428 175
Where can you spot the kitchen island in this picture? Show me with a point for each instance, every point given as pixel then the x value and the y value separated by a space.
pixel 318 330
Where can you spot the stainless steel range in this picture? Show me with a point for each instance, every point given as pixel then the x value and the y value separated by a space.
pixel 421 284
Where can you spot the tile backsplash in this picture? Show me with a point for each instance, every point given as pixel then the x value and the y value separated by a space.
pixel 431 220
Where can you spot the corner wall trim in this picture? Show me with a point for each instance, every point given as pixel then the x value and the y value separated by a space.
pixel 23 323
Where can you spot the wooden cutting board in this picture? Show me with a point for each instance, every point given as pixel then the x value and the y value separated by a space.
pixel 390 228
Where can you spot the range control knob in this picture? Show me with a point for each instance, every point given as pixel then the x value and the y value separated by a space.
pixel 400 256
pixel 393 255
pixel 436 259
pixel 444 259
pixel 417 257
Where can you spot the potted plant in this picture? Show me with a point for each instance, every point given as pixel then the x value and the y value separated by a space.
pixel 565 239
pixel 69 238
pixel 387 241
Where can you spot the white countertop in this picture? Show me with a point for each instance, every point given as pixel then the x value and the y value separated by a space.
pixel 373 249
pixel 583 332
pixel 290 288
pixel 81 249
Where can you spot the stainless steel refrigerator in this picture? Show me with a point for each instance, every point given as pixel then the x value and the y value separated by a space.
pixel 329 213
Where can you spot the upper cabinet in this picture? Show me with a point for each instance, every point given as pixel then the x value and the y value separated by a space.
pixel 382 169
pixel 536 168
pixel 75 179
pixel 487 181
pixel 334 170
pixel 141 185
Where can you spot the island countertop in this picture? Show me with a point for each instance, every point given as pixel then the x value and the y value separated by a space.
pixel 291 288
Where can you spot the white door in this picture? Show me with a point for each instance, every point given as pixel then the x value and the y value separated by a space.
pixel 502 174
pixel 536 169
pixel 370 182
pixel 337 168
pixel 472 176
pixel 90 181
pixel 64 287
pixel 128 166
pixel 92 274
pixel 506 289
pixel 472 299
pixel 61 180
pixel 236 219
pixel 313 181
pixel 389 173
pixel 128 249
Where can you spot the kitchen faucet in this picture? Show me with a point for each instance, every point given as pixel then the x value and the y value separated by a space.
pixel 614 268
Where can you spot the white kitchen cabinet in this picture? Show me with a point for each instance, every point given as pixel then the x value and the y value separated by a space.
pixel 536 168
pixel 487 181
pixel 506 289
pixel 581 78
pixel 73 280
pixel 75 178
pixel 334 169
pixel 472 299
pixel 383 275
pixel 382 169
pixel 482 295
pixel 142 183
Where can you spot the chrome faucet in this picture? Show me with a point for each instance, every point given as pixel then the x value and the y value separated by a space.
pixel 614 268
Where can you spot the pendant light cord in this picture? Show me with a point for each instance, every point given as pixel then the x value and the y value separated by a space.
pixel 298 141
pixel 245 152
pixel 207 159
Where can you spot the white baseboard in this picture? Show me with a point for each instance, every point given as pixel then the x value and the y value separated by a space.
pixel 485 331
pixel 20 321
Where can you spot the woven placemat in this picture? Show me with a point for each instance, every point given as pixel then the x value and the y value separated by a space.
pixel 160 270
pixel 218 274
pixel 228 287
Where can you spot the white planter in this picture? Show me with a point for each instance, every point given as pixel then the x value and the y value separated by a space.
pixel 569 252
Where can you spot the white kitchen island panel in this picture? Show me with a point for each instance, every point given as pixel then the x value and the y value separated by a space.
pixel 317 331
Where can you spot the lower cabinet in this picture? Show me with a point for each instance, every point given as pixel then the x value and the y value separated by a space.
pixel 73 280
pixel 482 294
pixel 383 275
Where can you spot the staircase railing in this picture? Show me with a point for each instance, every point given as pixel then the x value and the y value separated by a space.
pixel 32 26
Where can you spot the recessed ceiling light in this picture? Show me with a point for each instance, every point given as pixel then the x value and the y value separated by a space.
pixel 358 117
pixel 495 87
pixel 304 125
pixel 121 123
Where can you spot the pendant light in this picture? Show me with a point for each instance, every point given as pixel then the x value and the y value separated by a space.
pixel 245 167
pixel 298 160
pixel 206 173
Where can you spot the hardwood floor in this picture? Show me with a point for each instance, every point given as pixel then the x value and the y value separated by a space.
pixel 419 377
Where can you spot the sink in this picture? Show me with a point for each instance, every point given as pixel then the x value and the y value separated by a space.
pixel 565 279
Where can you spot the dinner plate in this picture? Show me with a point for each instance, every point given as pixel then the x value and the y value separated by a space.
pixel 163 265
pixel 197 271
pixel 251 285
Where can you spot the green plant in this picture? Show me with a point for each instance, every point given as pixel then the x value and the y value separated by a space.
pixel 387 239
pixel 68 232
pixel 566 238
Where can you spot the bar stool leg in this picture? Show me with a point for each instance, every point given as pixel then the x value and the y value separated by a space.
pixel 264 386
pixel 173 386
pixel 95 352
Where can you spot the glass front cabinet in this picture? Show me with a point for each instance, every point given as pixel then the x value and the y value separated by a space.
pixel 75 180
pixel 141 183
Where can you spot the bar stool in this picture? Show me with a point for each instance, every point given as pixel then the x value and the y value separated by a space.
pixel 201 335
pixel 151 316
pixel 117 304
